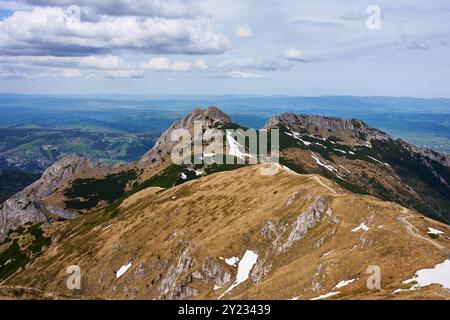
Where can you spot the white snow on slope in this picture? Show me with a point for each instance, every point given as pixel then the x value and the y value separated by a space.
pixel 326 295
pixel 320 163
pixel 183 176
pixel 199 172
pixel 236 149
pixel 351 152
pixel 376 160
pixel 339 150
pixel 362 226
pixel 344 283
pixel 440 274
pixel 326 166
pixel 232 261
pixel 209 155
pixel 122 270
pixel 245 266
pixel 297 136
pixel 434 231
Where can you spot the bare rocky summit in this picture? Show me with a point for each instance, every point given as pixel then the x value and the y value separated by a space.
pixel 352 131
pixel 209 118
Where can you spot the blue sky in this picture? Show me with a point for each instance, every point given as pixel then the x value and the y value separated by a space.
pixel 291 47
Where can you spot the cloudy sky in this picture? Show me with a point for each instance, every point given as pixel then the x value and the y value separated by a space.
pixel 158 47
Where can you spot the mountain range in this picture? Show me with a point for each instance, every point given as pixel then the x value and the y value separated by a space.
pixel 345 197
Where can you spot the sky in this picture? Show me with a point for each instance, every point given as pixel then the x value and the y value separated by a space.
pixel 217 47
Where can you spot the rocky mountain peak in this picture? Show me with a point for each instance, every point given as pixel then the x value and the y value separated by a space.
pixel 345 129
pixel 209 117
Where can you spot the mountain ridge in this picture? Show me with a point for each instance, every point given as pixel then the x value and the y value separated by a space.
pixel 352 133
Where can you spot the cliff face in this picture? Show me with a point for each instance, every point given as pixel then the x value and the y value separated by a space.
pixel 28 205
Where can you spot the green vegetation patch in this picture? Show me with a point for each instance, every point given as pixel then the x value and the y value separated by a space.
pixel 39 241
pixel 11 260
pixel 14 257
pixel 87 193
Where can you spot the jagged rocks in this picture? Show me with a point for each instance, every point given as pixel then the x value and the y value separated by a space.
pixel 305 221
pixel 358 130
pixel 175 284
pixel 213 270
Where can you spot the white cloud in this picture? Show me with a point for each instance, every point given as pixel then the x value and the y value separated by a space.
pixel 46 31
pixel 243 75
pixel 164 64
pixel 412 44
pixel 252 64
pixel 294 54
pixel 147 8
pixel 244 31
pixel 69 67
pixel 200 64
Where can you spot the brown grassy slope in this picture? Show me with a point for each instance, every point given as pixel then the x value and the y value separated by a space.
pixel 175 238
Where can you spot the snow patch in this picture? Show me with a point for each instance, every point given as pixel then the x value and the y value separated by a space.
pixel 344 283
pixel 297 136
pixel 245 266
pixel 362 226
pixel 209 155
pixel 380 162
pixel 339 150
pixel 199 172
pixel 434 231
pixel 440 274
pixel 326 295
pixel 232 261
pixel 236 148
pixel 183 176
pixel 326 166
pixel 122 270
pixel 320 163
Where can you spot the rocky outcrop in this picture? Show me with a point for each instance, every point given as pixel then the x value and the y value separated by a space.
pixel 210 117
pixel 328 126
pixel 27 205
